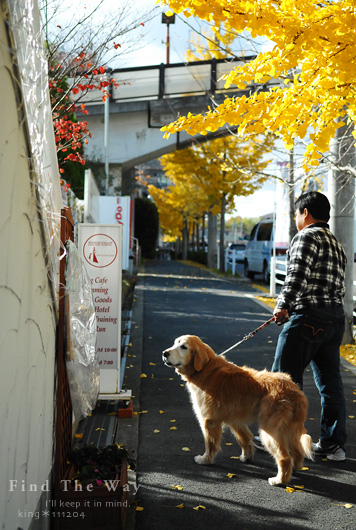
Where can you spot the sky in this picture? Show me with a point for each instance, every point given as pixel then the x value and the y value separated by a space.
pixel 152 45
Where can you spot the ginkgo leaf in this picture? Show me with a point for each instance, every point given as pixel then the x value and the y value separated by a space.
pixel 299 487
pixel 173 428
pixel 143 375
pixel 347 505
pixel 79 435
pixel 162 411
pixel 290 490
pixel 199 507
pixel 185 449
pixel 231 475
pixel 172 421
pixel 305 469
pixel 235 457
pixel 177 487
pixel 228 443
pixel 156 431
pixel 152 364
pixel 180 506
pixel 139 509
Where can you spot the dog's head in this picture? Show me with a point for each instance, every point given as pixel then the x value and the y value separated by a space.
pixel 188 354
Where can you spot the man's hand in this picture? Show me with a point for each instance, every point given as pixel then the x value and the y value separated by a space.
pixel 281 316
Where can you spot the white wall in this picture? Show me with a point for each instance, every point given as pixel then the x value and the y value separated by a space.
pixel 29 219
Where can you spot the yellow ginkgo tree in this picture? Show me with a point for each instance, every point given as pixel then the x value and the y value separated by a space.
pixel 207 177
pixel 314 56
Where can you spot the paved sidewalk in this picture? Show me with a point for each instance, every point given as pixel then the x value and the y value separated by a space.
pixel 172 299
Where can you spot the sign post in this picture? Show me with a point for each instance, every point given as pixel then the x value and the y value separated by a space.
pixel 100 247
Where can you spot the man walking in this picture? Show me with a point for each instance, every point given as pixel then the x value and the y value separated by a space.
pixel 310 305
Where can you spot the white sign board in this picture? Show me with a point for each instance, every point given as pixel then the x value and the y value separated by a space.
pixel 117 210
pixel 100 248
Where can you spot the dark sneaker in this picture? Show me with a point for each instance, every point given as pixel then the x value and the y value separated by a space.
pixel 332 452
pixel 256 442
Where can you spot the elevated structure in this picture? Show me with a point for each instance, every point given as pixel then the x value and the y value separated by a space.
pixel 126 129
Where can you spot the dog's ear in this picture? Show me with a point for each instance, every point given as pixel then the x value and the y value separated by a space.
pixel 201 357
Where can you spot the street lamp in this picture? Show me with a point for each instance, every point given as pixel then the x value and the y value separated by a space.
pixel 168 19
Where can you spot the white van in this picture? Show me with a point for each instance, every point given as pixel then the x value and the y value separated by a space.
pixel 259 250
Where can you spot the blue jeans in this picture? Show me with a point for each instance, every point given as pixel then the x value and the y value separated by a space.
pixel 314 337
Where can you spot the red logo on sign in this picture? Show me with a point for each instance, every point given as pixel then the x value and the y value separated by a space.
pixel 100 250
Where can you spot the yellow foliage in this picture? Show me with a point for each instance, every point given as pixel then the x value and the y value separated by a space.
pixel 314 53
pixel 203 175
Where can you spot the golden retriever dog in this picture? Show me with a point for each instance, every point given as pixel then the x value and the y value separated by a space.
pixel 225 394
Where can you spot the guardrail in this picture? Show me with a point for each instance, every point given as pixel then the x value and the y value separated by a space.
pixel 277 267
pixel 233 254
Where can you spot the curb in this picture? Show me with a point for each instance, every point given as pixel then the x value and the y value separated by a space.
pixel 128 428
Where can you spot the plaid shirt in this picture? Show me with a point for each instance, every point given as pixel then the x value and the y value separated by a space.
pixel 315 270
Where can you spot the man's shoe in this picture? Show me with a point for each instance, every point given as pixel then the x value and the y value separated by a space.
pixel 256 442
pixel 332 452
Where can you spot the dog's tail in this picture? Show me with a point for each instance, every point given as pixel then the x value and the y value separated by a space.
pixel 307 445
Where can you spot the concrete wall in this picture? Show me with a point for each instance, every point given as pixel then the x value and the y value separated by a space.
pixel 28 311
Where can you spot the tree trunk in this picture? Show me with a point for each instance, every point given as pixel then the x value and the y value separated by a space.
pixel 342 199
pixel 203 233
pixel 185 242
pixel 291 196
pixel 212 241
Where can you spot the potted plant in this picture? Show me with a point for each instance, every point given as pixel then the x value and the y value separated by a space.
pixel 94 491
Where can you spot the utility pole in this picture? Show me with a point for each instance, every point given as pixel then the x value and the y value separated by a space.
pixel 342 200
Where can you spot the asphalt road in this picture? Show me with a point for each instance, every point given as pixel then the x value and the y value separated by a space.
pixel 179 299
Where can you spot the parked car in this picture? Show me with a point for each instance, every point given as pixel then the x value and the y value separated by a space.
pixel 237 250
pixel 259 250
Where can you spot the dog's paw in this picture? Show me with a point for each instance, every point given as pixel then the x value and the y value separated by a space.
pixel 245 458
pixel 274 481
pixel 202 459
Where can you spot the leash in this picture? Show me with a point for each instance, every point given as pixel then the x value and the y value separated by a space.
pixel 246 337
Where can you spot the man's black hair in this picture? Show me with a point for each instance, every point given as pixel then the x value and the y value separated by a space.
pixel 316 203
